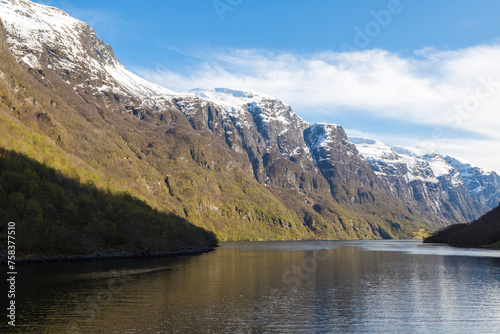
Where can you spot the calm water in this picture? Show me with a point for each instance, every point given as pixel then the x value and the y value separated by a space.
pixel 270 287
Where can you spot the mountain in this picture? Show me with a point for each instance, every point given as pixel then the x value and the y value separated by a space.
pixel 242 164
pixel 301 164
pixel 437 183
pixel 59 217
pixel 483 185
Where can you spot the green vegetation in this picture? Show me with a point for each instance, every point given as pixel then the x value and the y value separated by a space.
pixel 105 148
pixel 58 216
pixel 168 167
pixel 483 232
pixel 496 244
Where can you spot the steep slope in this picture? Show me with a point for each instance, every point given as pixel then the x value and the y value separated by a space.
pixel 387 165
pixel 315 170
pixel 424 177
pixel 339 161
pixel 43 37
pixel 152 152
pixel 241 164
pixel 55 213
pixel 483 185
pixel 57 217
pixel 264 124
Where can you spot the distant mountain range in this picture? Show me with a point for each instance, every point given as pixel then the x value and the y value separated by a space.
pixel 450 187
pixel 240 163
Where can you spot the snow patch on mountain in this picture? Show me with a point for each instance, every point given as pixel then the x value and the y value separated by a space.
pixel 321 135
pixel 262 106
pixel 31 27
pixel 135 84
pixel 382 158
pixel 465 167
pixel 229 97
pixel 418 155
pixel 483 185
pixel 422 164
pixel 325 140
pixel 373 149
pixel 34 30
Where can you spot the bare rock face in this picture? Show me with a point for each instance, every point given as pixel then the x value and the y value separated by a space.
pixel 3 36
pixel 340 162
pixel 261 126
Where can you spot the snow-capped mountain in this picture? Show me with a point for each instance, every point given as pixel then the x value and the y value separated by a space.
pixel 483 185
pixel 250 122
pixel 387 165
pixel 46 38
pixel 267 111
pixel 329 145
pixel 238 162
pixel 272 117
pixel 341 163
pixel 427 165
pixel 417 174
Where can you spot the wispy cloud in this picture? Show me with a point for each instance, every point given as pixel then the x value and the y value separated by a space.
pixel 448 90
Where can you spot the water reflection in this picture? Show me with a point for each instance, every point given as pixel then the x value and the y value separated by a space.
pixel 337 287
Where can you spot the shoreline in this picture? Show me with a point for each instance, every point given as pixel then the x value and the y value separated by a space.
pixel 463 246
pixel 110 256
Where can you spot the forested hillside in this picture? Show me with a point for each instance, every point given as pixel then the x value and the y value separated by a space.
pixel 484 231
pixel 58 216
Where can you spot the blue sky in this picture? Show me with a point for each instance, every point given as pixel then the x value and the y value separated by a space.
pixel 409 72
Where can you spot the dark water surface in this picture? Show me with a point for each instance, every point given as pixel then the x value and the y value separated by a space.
pixel 268 287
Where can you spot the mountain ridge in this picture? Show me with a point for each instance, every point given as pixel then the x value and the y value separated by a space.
pixel 247 171
pixel 429 177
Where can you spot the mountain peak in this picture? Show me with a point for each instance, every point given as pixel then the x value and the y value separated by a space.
pixel 460 163
pixel 327 126
pixel 324 135
pixel 32 27
pixel 263 108
pixel 230 97
pixel 373 149
pixel 47 38
pixel 416 151
pixel 484 185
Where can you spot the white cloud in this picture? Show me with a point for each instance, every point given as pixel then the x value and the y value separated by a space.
pixel 457 89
